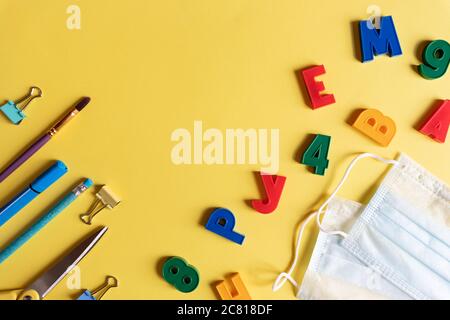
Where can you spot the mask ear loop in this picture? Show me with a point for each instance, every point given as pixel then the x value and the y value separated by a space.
pixel 287 276
pixel 341 183
pixel 283 277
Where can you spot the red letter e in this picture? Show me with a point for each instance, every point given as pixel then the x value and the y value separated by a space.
pixel 316 87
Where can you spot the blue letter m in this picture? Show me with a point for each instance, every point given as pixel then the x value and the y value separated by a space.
pixel 376 42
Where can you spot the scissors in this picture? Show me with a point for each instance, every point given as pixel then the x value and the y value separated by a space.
pixel 47 281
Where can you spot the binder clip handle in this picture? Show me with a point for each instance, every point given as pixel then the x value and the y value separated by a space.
pixel 97 294
pixel 22 104
pixel 13 110
pixel 111 282
pixel 87 217
pixel 105 199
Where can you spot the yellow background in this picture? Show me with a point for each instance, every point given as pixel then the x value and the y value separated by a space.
pixel 154 66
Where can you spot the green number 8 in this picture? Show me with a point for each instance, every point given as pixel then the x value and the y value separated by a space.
pixel 436 57
pixel 182 276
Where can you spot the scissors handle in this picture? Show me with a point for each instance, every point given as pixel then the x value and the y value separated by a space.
pixel 19 294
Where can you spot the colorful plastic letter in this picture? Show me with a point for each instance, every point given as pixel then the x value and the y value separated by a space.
pixel 182 276
pixel 436 58
pixel 238 292
pixel 273 185
pixel 377 126
pixel 222 222
pixel 382 41
pixel 317 153
pixel 437 125
pixel 316 87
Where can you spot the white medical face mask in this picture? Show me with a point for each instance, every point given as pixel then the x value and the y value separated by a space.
pixel 335 273
pixel 398 248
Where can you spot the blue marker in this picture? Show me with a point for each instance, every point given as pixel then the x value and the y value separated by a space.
pixel 38 186
pixel 44 220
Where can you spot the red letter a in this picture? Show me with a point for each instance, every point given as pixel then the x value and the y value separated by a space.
pixel 437 126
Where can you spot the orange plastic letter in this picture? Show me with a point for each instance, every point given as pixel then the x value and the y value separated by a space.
pixel 238 292
pixel 437 126
pixel 377 126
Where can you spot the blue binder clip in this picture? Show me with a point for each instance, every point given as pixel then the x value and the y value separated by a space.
pixel 13 110
pixel 98 293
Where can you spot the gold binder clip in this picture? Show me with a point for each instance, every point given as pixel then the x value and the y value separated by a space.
pixel 105 199
pixel 35 92
pixel 97 294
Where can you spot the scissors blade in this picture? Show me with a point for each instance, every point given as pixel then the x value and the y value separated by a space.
pixel 46 282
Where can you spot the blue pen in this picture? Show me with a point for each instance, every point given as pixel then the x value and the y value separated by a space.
pixel 45 180
pixel 44 220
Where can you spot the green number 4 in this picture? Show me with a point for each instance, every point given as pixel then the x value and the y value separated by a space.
pixel 317 153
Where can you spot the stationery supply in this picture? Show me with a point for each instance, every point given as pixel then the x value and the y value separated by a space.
pixel 97 294
pixel 43 140
pixel 45 180
pixel 14 110
pixel 39 289
pixel 44 220
pixel 105 199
